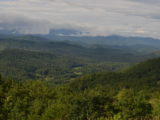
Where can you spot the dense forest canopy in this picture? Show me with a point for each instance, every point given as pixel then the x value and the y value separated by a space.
pixel 129 94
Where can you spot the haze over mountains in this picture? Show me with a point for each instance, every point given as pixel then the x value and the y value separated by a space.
pixel 82 38
pixel 120 17
pixel 79 60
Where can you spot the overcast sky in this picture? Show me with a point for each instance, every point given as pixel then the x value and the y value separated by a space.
pixel 98 17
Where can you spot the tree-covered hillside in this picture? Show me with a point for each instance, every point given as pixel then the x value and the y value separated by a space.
pixel 52 67
pixel 141 76
pixel 38 58
pixel 98 52
pixel 132 94
pixel 46 80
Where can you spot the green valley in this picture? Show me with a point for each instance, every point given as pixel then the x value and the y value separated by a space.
pixel 52 80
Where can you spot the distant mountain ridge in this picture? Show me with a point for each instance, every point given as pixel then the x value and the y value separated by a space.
pixel 98 52
pixel 107 40
pixel 141 44
pixel 81 37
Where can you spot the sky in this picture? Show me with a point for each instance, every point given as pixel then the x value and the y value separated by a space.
pixel 92 17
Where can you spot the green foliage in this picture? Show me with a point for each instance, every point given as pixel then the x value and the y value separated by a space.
pixel 141 76
pixel 36 100
pixel 53 68
pixel 129 94
pixel 132 105
pixel 57 62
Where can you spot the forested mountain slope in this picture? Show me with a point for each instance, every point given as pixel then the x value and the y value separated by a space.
pixel 98 52
pixel 34 58
pixel 129 95
pixel 23 65
pixel 143 75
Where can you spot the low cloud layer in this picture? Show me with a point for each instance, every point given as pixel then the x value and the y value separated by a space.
pixel 98 17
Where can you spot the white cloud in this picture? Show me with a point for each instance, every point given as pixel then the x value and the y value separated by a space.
pixel 98 17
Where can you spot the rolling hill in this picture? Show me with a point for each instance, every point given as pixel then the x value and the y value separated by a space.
pixel 141 76
pixel 98 52
pixel 38 58
pixel 130 94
